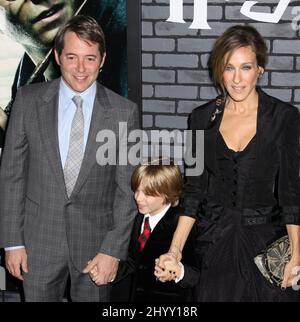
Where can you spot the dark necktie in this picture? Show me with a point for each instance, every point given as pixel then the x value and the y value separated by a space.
pixel 75 152
pixel 145 234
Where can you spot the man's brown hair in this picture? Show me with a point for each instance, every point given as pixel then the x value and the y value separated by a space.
pixel 86 28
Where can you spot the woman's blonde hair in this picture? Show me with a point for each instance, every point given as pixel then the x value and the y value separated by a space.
pixel 159 179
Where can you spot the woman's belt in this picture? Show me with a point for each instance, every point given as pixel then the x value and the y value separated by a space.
pixel 249 217
pixel 260 216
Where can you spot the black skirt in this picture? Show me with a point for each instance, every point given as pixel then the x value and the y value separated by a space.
pixel 228 271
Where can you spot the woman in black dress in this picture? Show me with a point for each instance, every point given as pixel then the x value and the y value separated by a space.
pixel 249 192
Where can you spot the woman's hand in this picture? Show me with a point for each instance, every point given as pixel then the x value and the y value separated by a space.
pixel 173 251
pixel 181 233
pixel 166 268
pixel 291 272
pixel 162 269
pixel 292 268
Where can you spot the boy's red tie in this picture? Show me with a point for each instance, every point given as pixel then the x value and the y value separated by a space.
pixel 145 234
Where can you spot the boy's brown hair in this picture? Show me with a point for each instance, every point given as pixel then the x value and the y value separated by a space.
pixel 159 179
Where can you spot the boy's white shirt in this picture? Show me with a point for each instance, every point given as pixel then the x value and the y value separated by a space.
pixel 178 279
pixel 154 219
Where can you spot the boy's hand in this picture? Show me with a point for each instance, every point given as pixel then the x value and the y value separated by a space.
pixel 102 269
pixel 170 271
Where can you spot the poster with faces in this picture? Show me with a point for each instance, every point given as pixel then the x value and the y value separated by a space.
pixel 27 32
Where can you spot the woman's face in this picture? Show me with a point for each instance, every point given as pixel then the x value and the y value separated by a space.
pixel 241 74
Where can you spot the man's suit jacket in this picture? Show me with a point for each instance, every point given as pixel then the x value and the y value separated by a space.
pixel 35 210
pixel 1 137
pixel 135 280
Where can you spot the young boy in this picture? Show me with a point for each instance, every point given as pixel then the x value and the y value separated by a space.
pixel 157 190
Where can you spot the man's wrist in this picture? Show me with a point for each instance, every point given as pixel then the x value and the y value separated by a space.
pixel 7 249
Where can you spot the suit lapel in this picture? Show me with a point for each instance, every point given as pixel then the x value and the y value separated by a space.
pixel 137 231
pixel 264 114
pixel 134 248
pixel 137 225
pixel 162 226
pixel 264 117
pixel 99 118
pixel 211 134
pixel 48 123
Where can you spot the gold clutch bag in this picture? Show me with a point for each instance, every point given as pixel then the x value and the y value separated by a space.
pixel 271 261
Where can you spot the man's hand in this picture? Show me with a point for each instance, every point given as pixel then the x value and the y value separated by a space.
pixel 16 262
pixel 102 268
pixel 3 119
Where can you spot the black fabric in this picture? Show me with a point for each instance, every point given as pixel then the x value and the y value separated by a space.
pixel 275 181
pixel 242 200
pixel 237 170
pixel 1 137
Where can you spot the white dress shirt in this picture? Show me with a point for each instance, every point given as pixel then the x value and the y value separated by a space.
pixel 154 219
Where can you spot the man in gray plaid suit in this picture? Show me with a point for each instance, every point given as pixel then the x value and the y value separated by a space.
pixel 61 212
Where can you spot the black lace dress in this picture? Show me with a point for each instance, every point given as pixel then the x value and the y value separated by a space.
pixel 229 239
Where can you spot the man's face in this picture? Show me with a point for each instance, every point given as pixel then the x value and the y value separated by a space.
pixel 79 62
pixel 36 22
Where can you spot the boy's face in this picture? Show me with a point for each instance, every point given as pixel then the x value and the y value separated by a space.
pixel 36 22
pixel 148 204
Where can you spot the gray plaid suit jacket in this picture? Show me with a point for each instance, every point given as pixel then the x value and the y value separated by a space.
pixel 34 208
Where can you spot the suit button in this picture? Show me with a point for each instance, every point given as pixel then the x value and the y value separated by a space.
pixel 233 193
pixel 233 204
pixel 251 221
pixel 234 181
pixel 235 171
